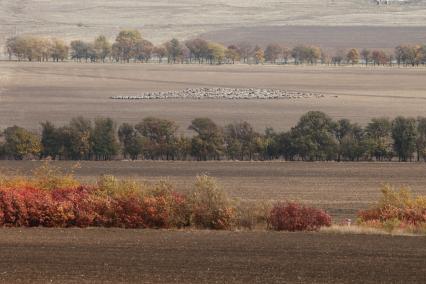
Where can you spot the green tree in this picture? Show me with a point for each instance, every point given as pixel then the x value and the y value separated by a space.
pixel 59 50
pixel 132 142
pixel 216 53
pixel 314 136
pixel 20 143
pixel 102 48
pixel 77 139
pixel 273 52
pixel 342 128
pixel 208 143
pixel 198 48
pixel 404 136
pixel 379 57
pixel 232 54
pixel 81 50
pixel 182 148
pixel 241 140
pixel 287 144
pixel 378 133
pixel 160 136
pixel 104 141
pixel 306 54
pixel 272 146
pixel 353 144
pixel 421 138
pixel 366 56
pixel 245 49
pixel 160 52
pixel 143 50
pixel 50 140
pixel 174 50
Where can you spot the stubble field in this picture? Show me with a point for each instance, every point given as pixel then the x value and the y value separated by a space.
pixel 32 92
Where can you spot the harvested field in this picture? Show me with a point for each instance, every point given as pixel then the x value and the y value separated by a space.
pixel 340 188
pixel 146 256
pixel 34 92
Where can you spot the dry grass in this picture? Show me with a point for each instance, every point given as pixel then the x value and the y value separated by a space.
pixel 364 230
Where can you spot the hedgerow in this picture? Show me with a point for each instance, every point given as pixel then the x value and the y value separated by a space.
pixel 396 209
pixel 51 198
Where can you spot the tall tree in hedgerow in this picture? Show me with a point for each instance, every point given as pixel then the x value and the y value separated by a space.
pixel 208 143
pixel 404 136
pixel 104 141
pixel 379 138
pixel 20 143
pixel 314 136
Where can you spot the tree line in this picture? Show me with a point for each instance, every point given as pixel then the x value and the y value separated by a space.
pixel 130 46
pixel 316 137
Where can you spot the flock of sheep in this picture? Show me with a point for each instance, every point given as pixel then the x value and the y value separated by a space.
pixel 222 93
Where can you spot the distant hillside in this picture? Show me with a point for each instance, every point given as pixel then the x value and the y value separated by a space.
pixel 162 19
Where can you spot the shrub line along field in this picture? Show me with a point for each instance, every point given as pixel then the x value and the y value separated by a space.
pixel 340 188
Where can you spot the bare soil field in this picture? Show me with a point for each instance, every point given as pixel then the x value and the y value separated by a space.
pixel 161 20
pixel 35 92
pixel 147 256
pixel 340 188
pixel 329 38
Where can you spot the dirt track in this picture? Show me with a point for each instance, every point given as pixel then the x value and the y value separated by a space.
pixel 145 256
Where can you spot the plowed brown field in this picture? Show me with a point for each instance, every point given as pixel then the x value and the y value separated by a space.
pixel 146 256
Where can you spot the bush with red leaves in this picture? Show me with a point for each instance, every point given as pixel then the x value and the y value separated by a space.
pixel 83 207
pixel 296 217
pixel 27 207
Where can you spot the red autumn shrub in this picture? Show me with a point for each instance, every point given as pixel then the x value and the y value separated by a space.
pixel 127 211
pixel 82 207
pixel 165 211
pixel 155 213
pixel 411 216
pixel 179 211
pixel 297 217
pixel 28 207
pixel 75 206
pixel 396 208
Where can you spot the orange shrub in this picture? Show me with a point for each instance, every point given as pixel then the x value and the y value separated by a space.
pixel 396 207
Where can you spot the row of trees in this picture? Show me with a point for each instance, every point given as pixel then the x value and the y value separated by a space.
pixel 316 137
pixel 130 46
